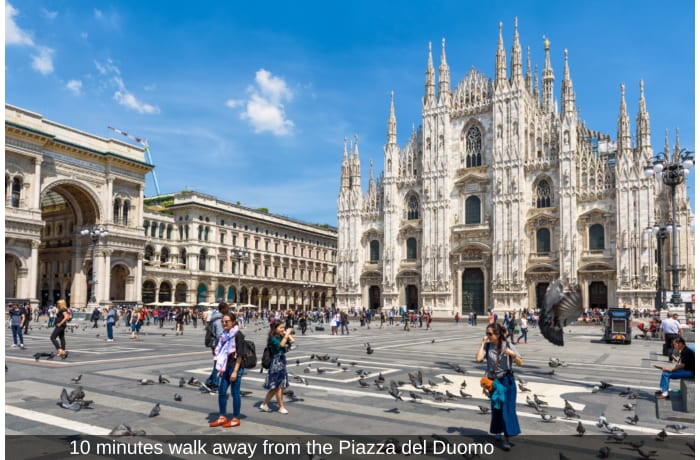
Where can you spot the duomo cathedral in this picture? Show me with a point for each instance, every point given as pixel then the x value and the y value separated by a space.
pixel 502 189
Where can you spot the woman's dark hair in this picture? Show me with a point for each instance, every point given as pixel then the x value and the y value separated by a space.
pixel 680 340
pixel 500 332
pixel 274 326
pixel 230 316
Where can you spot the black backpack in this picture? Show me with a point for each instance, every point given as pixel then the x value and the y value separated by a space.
pixel 209 337
pixel 248 357
pixel 266 358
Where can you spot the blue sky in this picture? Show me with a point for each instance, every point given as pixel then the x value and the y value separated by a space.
pixel 250 101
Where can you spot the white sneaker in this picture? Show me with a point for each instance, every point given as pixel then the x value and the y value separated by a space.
pixel 283 411
pixel 14 345
pixel 264 408
pixel 21 345
pixel 110 340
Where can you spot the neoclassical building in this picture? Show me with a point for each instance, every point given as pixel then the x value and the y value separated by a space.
pixel 170 249
pixel 191 247
pixel 502 189
pixel 58 181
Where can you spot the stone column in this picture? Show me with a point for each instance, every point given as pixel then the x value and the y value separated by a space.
pixel 130 288
pixel 33 274
pixel 139 276
pixel 106 276
pixel 460 273
pixel 36 199
pixel 107 201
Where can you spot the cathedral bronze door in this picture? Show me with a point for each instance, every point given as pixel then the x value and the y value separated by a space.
pixel 411 297
pixel 374 297
pixel 540 291
pixel 597 295
pixel 473 291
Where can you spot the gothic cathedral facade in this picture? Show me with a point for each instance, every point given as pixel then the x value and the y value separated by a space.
pixel 499 192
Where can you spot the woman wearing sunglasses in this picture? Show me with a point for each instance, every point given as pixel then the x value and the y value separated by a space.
pixel 279 341
pixel 500 357
pixel 230 370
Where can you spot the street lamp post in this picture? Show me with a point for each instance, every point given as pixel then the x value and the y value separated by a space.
pixel 95 232
pixel 672 172
pixel 661 234
pixel 239 255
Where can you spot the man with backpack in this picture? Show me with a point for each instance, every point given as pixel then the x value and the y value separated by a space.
pixel 212 333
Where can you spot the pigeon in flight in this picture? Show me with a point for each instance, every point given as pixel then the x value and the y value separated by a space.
pixel 76 379
pixel 394 391
pixel 677 427
pixel 559 308
pixel 155 411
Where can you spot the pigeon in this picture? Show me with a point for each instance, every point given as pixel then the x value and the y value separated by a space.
pixel 182 382
pixel 677 427
pixel 484 410
pixel 446 380
pixel 580 429
pixel 604 452
pixel 155 411
pixel 289 393
pixel 628 406
pixel 85 403
pixel 567 405
pixel 44 355
pixel 540 402
pixel 380 377
pixel 439 397
pixel 554 362
pixel 307 369
pixel 67 403
pixel 298 362
pixel 632 420
pixel 571 413
pixel 605 385
pixel 646 453
pixel 76 379
pixel 547 418
pixel 394 391
pixel 360 371
pixel 595 389
pixel 77 394
pixel 530 402
pixel 634 395
pixel 370 350
pixel 625 392
pixel 162 379
pixel 523 388
pixel 450 395
pixel 618 436
pixel 464 394
pixel 464 384
pixel 414 396
pixel 320 370
pixel 194 382
pixel 395 410
pixel 125 430
pixel 431 383
pixel 380 386
pixel 147 382
pixel 602 421
pixel 177 397
pixel 363 383
pixel 560 307
pixel 636 444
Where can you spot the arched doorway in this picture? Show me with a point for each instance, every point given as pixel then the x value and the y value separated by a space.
pixel 148 292
pixel 597 295
pixel 165 293
pixel 473 291
pixel 244 295
pixel 375 295
pixel 12 266
pixel 540 291
pixel 412 297
pixel 255 296
pixel 117 281
pixel 181 293
pixel 265 298
pixel 201 293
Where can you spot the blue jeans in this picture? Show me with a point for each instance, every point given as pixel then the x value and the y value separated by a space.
pixel 666 377
pixel 523 334
pixel 110 331
pixel 224 382
pixel 16 330
pixel 213 379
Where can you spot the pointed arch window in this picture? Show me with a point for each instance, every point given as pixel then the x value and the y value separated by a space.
pixel 543 194
pixel 473 146
pixel 412 208
pixel 374 251
pixel 411 249
pixel 472 210
pixel 596 237
pixel 543 241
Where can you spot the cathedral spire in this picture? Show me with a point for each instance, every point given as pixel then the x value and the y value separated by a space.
pixel 677 148
pixel 528 75
pixel 666 148
pixel 429 78
pixel 643 129
pixel 344 168
pixel 516 58
pixel 500 60
pixel 391 124
pixel 623 124
pixel 547 81
pixel 444 77
pixel 536 90
pixel 568 99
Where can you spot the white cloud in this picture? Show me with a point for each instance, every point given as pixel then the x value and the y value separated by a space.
pixel 43 61
pixel 50 15
pixel 84 35
pixel 13 34
pixel 264 108
pixel 123 96
pixel 98 14
pixel 74 86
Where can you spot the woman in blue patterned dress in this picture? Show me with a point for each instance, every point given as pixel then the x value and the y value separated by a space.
pixel 276 381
